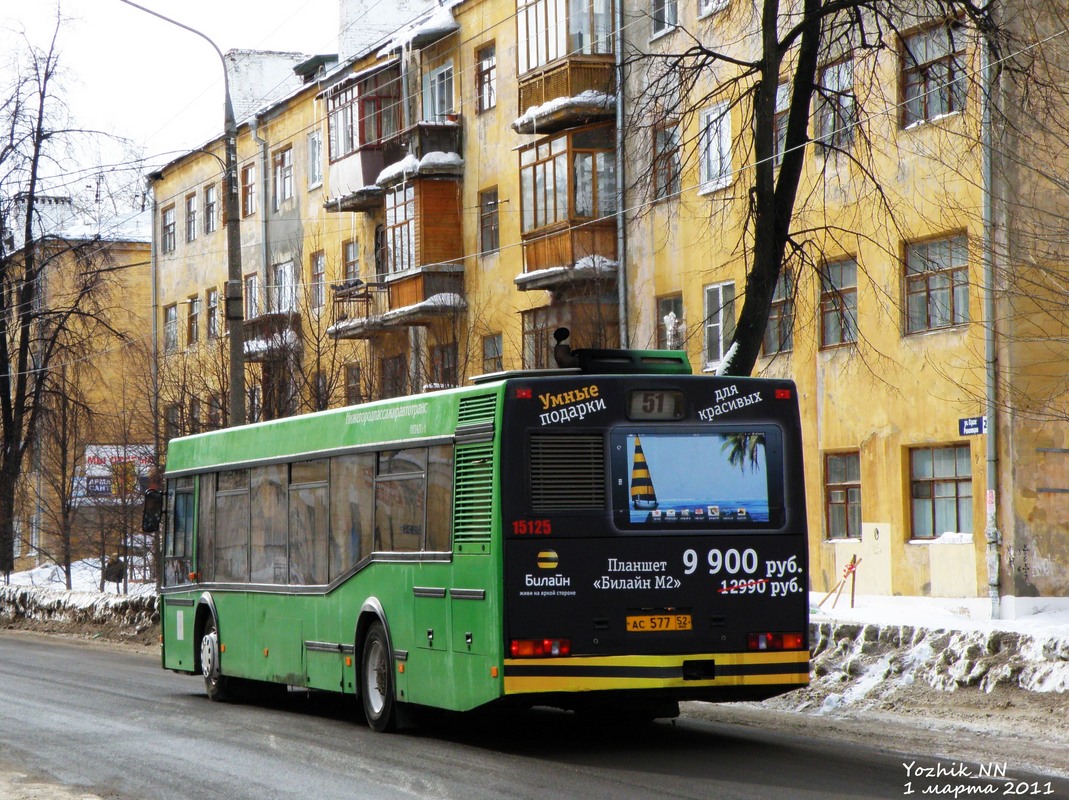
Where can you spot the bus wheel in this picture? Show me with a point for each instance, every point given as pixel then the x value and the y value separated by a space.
pixel 376 688
pixel 214 681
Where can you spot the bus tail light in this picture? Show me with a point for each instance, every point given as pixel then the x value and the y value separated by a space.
pixel 783 394
pixel 540 648
pixel 775 641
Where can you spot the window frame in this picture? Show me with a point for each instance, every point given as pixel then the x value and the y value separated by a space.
pixel 400 227
pixel 350 259
pixel 851 481
pixel 251 295
pixel 838 300
pixel 315 158
pixel 210 209
pixel 485 77
pixel 354 391
pixel 248 190
pixel 916 82
pixel 192 320
pixel 956 275
pixel 549 30
pixel 723 323
pixel 664 16
pixel 962 502
pixel 282 170
pixel 191 217
pixel 780 316
pixel 439 100
pixel 667 161
pixel 493 353
pixel 170 328
pixel 317 287
pixel 212 312
pixel 282 293
pixel 715 127
pixel 489 222
pixel 168 229
pixel 665 305
pixel 836 117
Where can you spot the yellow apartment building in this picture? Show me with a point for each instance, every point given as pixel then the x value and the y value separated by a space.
pixel 82 482
pixel 432 203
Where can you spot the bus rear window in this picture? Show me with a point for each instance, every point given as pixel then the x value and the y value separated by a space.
pixel 698 479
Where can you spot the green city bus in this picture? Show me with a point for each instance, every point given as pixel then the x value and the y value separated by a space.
pixel 616 536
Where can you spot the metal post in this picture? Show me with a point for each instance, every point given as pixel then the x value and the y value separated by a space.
pixel 234 304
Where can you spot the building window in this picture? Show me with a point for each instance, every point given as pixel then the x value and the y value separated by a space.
pixel 215 412
pixel 318 286
pixel 193 320
pixel 194 415
pixel 941 490
pixel 341 122
pixel 492 354
pixel 167 230
pixel 670 322
pixel 838 303
pixel 489 235
pixel 714 148
pixel 254 403
pixel 444 365
pixel 485 78
pixel 842 495
pixel 572 176
pixel 551 29
pixel 248 190
pixel 353 392
pixel 350 259
pixel 320 391
pixel 171 417
pixel 782 117
pixel 933 73
pixel 836 107
pixel 706 7
pixel 438 93
pixel 283 169
pixel 937 284
pixel 170 329
pixel 394 376
pixel 379 107
pixel 213 313
pixel 400 228
pixel 211 211
pixel 315 159
pixel 191 217
pixel 719 322
pixel 779 332
pixel 252 296
pixel 666 162
pixel 283 291
pixel 664 15
pixel 538 327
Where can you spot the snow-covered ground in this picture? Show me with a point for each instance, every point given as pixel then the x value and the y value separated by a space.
pixel 85 577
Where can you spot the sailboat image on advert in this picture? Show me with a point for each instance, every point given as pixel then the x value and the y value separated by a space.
pixel 642 494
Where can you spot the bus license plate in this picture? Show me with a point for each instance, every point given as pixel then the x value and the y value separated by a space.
pixel 653 623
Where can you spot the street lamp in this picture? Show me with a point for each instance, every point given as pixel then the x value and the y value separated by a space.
pixel 234 305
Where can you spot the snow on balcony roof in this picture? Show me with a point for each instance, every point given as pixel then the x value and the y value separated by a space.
pixel 444 301
pixel 427 29
pixel 434 163
pixel 591 99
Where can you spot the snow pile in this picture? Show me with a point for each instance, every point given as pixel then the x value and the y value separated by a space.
pixel 132 612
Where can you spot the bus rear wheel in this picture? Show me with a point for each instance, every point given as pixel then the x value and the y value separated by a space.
pixel 377 686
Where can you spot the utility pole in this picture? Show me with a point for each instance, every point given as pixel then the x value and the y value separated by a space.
pixel 234 303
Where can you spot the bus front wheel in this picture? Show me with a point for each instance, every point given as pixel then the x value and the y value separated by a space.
pixel 377 686
pixel 214 681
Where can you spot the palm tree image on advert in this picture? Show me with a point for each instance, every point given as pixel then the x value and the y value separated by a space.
pixel 699 477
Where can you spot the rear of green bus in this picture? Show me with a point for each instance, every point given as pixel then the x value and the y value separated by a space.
pixel 655 540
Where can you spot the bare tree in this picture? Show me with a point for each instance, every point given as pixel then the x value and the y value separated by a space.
pixel 775 74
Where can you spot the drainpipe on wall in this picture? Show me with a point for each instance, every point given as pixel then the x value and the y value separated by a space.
pixel 992 534
pixel 621 239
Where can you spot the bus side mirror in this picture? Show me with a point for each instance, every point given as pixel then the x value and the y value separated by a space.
pixel 150 519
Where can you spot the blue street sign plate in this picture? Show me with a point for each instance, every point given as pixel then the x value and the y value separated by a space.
pixel 971 426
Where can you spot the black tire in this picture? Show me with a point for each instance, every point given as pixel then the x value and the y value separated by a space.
pixel 376 680
pixel 217 685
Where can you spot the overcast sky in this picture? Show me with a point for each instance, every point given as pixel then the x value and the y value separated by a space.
pixel 139 77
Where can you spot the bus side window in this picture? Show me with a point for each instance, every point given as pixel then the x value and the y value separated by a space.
pixel 178 538
pixel 439 499
pixel 352 480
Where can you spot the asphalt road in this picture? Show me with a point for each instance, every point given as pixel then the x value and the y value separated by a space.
pixel 111 722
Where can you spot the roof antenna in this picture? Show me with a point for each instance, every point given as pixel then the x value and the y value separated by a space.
pixel 562 353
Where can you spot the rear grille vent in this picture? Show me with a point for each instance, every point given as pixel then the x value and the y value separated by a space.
pixel 567 473
pixel 473 498
pixel 474 410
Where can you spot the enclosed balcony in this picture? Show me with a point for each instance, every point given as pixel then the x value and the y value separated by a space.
pixel 578 90
pixel 271 336
pixel 568 207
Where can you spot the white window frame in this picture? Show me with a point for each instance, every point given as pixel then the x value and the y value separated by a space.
pixel 252 296
pixel 719 317
pixel 283 288
pixel 211 209
pixel 282 163
pixel 669 16
pixel 315 159
pixel 438 100
pixel 714 148
pixel 709 7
